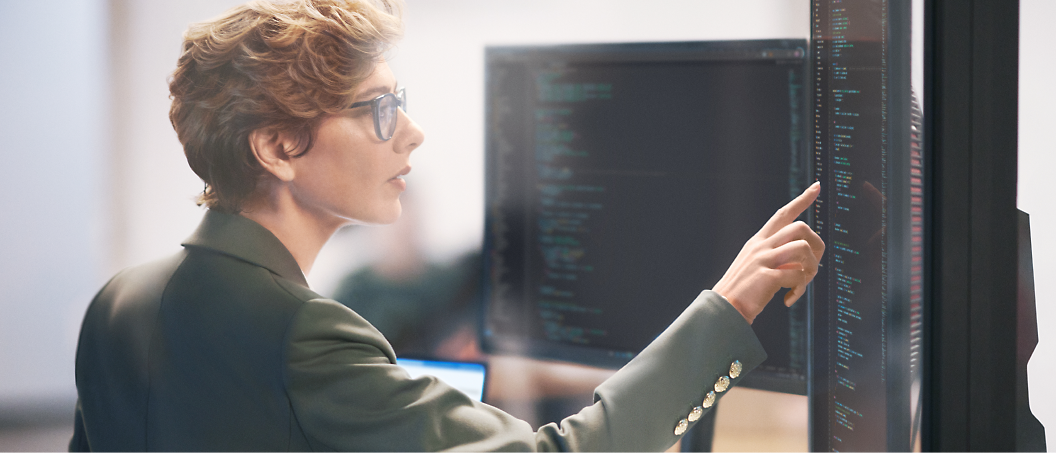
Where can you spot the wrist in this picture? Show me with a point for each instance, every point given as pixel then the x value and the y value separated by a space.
pixel 736 306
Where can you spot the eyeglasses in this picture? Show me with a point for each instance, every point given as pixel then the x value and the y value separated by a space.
pixel 384 110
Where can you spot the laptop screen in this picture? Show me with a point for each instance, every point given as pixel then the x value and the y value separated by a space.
pixel 469 378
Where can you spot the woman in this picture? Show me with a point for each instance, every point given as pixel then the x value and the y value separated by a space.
pixel 293 120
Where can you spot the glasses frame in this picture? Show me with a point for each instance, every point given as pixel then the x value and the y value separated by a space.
pixel 375 109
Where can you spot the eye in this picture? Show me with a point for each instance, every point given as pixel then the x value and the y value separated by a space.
pixel 387 108
pixel 356 112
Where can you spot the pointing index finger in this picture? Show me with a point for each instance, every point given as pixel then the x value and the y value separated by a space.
pixel 789 212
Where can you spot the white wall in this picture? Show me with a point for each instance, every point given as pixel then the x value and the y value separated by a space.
pixel 53 120
pixel 1037 196
pixel 154 188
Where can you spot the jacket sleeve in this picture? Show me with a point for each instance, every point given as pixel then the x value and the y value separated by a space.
pixel 347 394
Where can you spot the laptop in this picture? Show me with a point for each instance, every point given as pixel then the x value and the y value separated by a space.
pixel 467 377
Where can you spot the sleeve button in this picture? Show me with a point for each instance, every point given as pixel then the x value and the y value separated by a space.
pixel 735 369
pixel 722 384
pixel 709 400
pixel 681 427
pixel 695 414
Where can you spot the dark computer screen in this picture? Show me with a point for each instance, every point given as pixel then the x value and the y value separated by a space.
pixel 622 180
pixel 867 303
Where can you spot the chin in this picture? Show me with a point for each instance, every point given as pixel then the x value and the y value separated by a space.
pixel 388 220
pixel 394 212
pixel 384 216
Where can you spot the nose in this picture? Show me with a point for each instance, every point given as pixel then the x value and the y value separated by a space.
pixel 408 135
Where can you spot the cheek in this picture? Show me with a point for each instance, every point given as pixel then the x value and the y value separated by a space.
pixel 362 176
pixel 348 175
pixel 343 160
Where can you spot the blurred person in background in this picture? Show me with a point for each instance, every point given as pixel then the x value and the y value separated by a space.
pixel 432 310
pixel 290 115
pixel 425 309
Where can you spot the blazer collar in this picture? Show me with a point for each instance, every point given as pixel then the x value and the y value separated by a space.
pixel 242 238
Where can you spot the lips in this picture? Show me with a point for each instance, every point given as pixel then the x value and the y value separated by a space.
pixel 398 181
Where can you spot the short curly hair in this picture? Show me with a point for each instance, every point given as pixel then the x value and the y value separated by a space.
pixel 281 65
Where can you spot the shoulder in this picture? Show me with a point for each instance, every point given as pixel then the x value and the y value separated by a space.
pixel 196 289
pixel 145 281
pixel 217 275
pixel 130 299
pixel 321 326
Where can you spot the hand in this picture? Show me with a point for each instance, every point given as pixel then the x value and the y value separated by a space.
pixel 783 254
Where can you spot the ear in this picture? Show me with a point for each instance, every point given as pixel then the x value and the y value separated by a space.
pixel 271 148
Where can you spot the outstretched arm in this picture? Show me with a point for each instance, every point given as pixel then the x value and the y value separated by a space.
pixel 347 394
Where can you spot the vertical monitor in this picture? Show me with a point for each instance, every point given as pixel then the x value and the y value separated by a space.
pixel 867 306
pixel 622 180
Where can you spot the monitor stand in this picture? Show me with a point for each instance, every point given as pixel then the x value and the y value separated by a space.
pixel 699 437
pixel 1030 434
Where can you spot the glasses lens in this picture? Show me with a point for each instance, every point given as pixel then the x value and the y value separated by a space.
pixel 387 116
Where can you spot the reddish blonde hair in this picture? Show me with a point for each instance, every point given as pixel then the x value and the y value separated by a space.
pixel 270 65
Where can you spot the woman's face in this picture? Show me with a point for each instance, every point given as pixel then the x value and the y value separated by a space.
pixel 349 175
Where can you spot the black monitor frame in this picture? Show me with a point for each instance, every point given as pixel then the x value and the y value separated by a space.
pixel 971 76
pixel 666 51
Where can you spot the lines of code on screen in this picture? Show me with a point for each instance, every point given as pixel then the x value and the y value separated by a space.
pixel 868 306
pixel 622 182
pixel 851 142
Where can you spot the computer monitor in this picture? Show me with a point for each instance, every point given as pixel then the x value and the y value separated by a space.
pixel 868 294
pixel 622 180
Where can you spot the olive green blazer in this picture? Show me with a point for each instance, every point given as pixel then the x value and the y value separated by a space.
pixel 224 347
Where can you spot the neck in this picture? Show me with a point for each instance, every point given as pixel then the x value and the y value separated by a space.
pixel 302 231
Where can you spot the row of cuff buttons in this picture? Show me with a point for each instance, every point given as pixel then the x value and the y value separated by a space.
pixel 720 386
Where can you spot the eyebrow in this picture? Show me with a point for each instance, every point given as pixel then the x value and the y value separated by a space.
pixel 375 92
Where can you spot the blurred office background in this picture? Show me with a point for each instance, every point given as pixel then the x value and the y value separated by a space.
pixel 94 179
